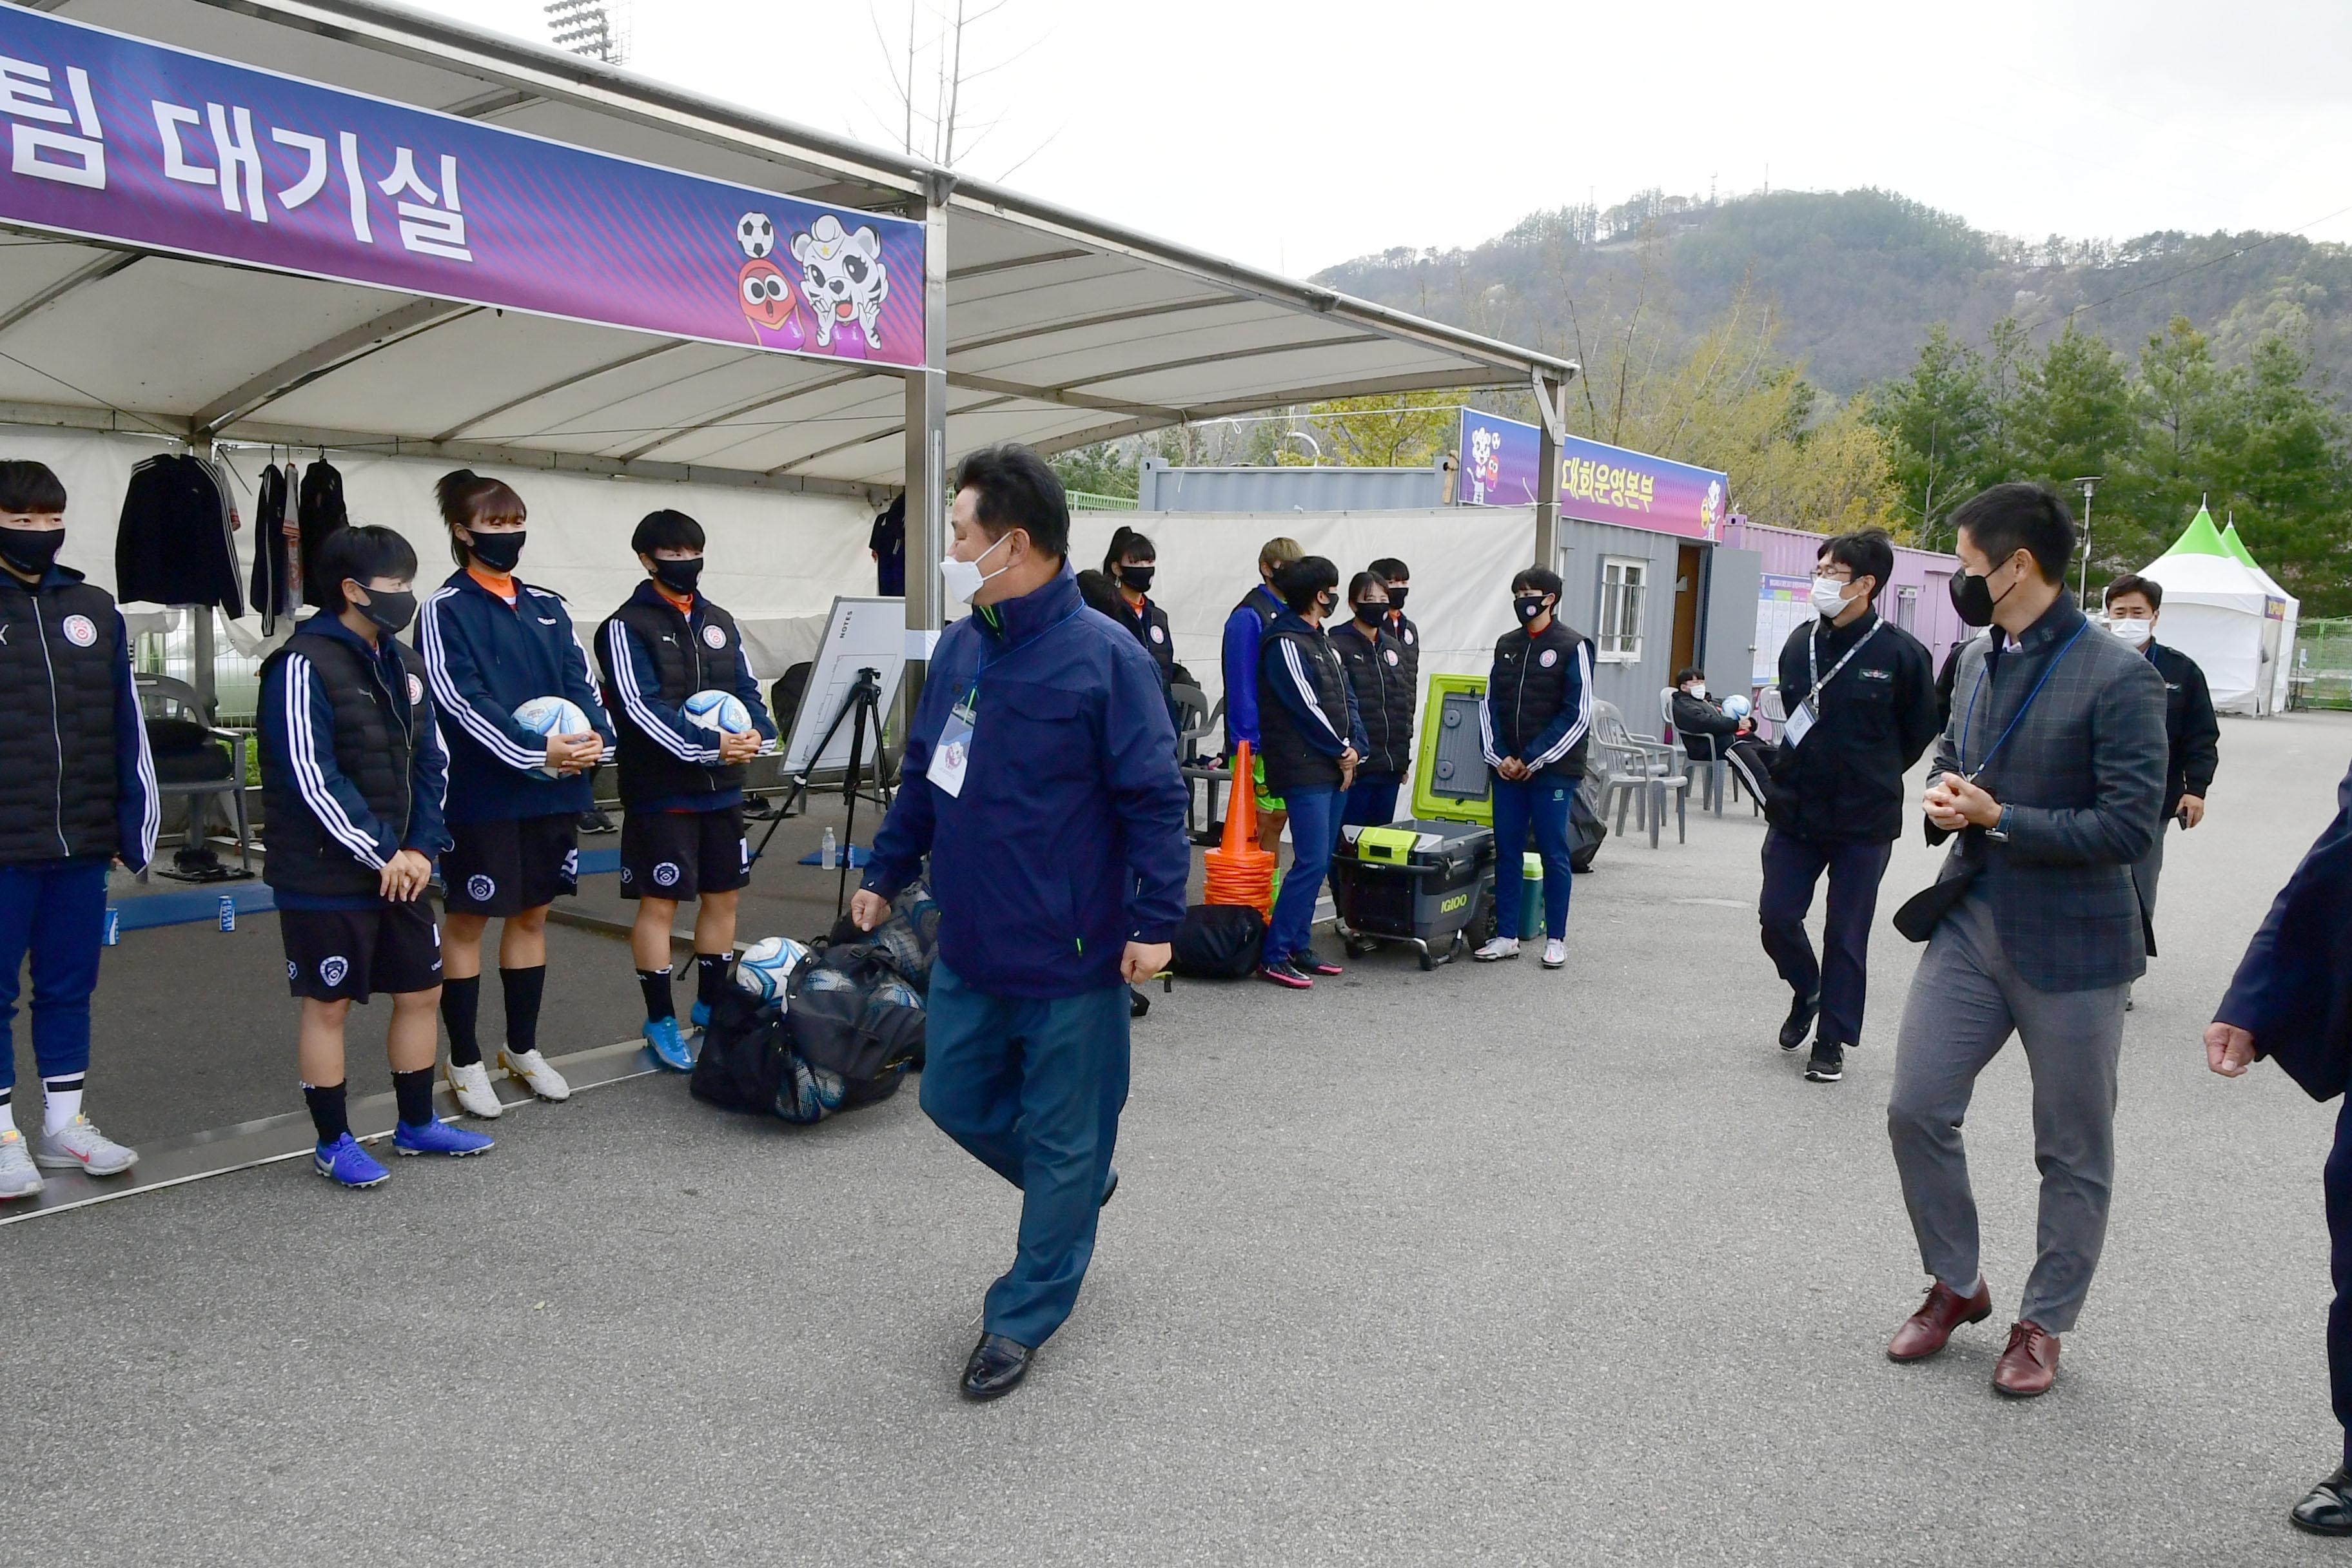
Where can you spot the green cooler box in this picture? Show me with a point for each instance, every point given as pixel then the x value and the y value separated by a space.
pixel 1420 882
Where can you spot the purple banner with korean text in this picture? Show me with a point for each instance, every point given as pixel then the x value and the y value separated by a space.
pixel 116 139
pixel 1598 482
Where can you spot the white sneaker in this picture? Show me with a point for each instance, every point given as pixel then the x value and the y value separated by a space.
pixel 18 1179
pixel 471 1085
pixel 1555 953
pixel 530 1069
pixel 1497 947
pixel 78 1145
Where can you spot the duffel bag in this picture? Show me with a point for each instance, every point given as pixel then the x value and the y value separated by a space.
pixel 746 1053
pixel 1218 941
pixel 853 1015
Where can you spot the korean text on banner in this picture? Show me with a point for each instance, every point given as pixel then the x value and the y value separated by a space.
pixel 118 139
pixel 1598 482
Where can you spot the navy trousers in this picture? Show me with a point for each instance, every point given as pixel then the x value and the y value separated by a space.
pixel 1033 1090
pixel 1314 831
pixel 1792 868
pixel 1540 803
pixel 2339 1236
pixel 56 909
pixel 1371 800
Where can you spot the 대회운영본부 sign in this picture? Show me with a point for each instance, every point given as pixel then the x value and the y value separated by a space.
pixel 1598 482
pixel 118 139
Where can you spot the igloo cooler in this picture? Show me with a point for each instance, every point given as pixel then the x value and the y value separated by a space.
pixel 1422 882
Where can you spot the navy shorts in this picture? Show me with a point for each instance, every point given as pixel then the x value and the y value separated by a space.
pixel 506 867
pixel 682 854
pixel 338 955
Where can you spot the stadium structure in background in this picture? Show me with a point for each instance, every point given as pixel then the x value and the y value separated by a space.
pixel 593 29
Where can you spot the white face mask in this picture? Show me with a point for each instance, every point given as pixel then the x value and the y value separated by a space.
pixel 2132 631
pixel 1829 597
pixel 964 578
pixel 1697 691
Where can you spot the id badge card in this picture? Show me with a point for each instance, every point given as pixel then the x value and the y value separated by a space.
pixel 1799 724
pixel 951 758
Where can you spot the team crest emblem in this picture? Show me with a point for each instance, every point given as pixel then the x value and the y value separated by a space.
pixel 333 970
pixel 665 874
pixel 715 637
pixel 1159 634
pixel 79 630
pixel 479 889
pixel 1392 656
pixel 416 691
pixel 1550 657
pixel 1408 639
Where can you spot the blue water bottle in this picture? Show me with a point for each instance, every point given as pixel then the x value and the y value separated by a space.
pixel 113 926
pixel 228 912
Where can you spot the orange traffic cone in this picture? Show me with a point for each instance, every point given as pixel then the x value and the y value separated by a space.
pixel 1239 872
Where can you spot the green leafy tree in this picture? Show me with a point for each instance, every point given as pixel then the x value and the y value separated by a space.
pixel 1935 422
pixel 2075 414
pixel 2287 474
pixel 1105 468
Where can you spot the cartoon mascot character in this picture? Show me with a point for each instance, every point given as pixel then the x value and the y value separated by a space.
pixel 763 290
pixel 844 281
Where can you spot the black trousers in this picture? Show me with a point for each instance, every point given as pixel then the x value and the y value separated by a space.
pixel 2339 1236
pixel 1792 868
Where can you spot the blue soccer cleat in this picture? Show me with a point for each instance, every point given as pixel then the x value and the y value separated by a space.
pixel 668 1044
pixel 346 1164
pixel 437 1138
pixel 700 1016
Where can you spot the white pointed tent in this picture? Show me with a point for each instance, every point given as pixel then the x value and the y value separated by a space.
pixel 2222 613
pixel 2283 665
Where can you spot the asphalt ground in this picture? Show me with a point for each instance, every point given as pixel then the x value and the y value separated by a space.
pixel 1488 1265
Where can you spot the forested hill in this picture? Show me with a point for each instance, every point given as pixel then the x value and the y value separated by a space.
pixel 1856 278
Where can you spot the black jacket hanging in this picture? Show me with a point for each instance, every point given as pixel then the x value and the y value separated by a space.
pixel 319 511
pixel 175 545
pixel 273 580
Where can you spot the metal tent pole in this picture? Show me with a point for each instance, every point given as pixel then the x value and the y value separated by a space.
pixel 927 450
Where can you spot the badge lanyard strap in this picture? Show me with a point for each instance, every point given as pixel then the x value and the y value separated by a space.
pixel 1813 661
pixel 1969 718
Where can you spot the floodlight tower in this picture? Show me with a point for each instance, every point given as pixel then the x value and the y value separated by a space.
pixel 590 28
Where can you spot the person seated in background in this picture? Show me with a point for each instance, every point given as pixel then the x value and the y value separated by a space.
pixel 1375 662
pixel 1703 727
pixel 1245 628
pixel 1314 741
pixel 1535 726
pixel 1129 564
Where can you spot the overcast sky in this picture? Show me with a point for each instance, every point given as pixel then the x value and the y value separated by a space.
pixel 1295 134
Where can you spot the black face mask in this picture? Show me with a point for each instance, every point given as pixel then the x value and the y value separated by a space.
pixel 1396 591
pixel 1529 605
pixel 1325 604
pixel 1371 613
pixel 495 551
pixel 1972 597
pixel 1138 577
pixel 30 551
pixel 389 611
pixel 678 576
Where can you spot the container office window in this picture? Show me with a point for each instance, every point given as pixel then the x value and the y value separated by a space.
pixel 1907 608
pixel 1623 582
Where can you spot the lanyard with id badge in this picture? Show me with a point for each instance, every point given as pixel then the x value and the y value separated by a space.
pixel 951 758
pixel 1797 725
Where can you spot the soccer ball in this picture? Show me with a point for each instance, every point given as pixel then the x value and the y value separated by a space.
pixel 756 235
pixel 1738 707
pixel 721 712
pixel 766 967
pixel 544 716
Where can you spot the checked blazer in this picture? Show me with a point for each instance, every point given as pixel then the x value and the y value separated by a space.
pixel 2085 771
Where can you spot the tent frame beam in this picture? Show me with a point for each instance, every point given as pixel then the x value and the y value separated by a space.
pixel 289 375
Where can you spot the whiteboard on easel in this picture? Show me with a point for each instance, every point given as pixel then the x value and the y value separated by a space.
pixel 860 634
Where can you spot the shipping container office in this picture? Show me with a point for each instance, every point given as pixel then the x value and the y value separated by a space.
pixel 1918 598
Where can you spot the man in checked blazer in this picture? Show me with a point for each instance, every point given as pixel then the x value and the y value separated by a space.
pixel 2051 772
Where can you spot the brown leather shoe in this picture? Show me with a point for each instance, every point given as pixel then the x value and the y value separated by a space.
pixel 1923 1333
pixel 2030 1364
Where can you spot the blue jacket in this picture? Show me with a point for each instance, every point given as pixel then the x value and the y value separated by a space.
pixel 681 759
pixel 1066 841
pixel 1242 629
pixel 298 747
pixel 486 658
pixel 2293 991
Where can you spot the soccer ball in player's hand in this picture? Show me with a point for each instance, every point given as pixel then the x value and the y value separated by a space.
pixel 545 715
pixel 722 712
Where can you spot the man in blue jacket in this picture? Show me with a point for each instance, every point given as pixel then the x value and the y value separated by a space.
pixel 1245 629
pixel 1040 777
pixel 77 789
pixel 2292 1001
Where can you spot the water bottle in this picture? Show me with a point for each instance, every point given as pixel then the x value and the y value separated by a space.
pixel 228 912
pixel 829 857
pixel 113 937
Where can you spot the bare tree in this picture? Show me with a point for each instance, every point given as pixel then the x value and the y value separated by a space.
pixel 929 79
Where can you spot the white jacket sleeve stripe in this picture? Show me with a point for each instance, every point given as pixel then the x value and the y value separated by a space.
pixel 1306 687
pixel 303 750
pixel 1576 731
pixel 444 691
pixel 633 702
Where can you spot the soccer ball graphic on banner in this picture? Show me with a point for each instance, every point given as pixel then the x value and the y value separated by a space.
pixel 721 712
pixel 766 967
pixel 544 716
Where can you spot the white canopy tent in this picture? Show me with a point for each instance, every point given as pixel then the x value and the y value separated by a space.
pixel 2282 663
pixel 2223 614
pixel 1044 326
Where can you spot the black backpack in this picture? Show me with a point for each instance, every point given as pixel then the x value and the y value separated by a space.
pixel 1218 941
pixel 746 1053
pixel 1585 829
pixel 854 1014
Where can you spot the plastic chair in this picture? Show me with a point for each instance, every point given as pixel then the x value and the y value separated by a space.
pixel 160 697
pixel 1195 719
pixel 1643 774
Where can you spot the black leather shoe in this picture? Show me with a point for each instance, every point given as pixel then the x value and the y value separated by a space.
pixel 2327 1509
pixel 1801 1021
pixel 997 1368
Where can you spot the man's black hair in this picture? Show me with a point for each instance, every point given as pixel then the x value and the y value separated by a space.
pixel 1127 545
pixel 1363 580
pixel 2147 588
pixel 29 486
pixel 1865 552
pixel 1389 569
pixel 361 552
pixel 2016 516
pixel 1538 580
pixel 1689 673
pixel 1096 590
pixel 1015 488
pixel 1302 581
pixel 665 530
